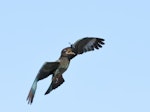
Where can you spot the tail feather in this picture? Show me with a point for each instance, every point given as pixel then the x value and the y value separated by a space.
pixel 32 92
pixel 49 89
pixel 56 82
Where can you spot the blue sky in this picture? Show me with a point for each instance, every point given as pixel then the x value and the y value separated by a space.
pixel 112 79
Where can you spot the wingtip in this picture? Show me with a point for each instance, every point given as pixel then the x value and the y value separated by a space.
pixel 101 40
pixel 30 97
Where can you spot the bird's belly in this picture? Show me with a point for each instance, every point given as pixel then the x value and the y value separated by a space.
pixel 62 68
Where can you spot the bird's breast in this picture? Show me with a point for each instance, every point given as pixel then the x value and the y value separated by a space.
pixel 64 63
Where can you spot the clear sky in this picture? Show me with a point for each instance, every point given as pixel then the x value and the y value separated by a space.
pixel 115 78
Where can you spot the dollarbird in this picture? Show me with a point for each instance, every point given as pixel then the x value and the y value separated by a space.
pixel 57 68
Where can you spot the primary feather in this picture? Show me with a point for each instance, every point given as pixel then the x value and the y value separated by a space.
pixel 87 44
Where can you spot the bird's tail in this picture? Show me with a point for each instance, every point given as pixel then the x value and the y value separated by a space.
pixel 56 81
pixel 32 92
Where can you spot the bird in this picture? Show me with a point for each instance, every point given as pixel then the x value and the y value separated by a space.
pixel 57 68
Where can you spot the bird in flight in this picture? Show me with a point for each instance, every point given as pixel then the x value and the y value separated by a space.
pixel 57 68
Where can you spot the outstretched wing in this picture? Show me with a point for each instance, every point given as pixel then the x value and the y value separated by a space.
pixel 87 44
pixel 47 69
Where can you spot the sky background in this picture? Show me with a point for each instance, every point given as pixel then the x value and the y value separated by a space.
pixel 115 78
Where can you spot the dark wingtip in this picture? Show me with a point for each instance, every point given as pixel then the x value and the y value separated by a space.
pixel 101 40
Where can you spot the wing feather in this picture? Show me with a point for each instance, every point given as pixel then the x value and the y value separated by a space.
pixel 87 44
pixel 47 69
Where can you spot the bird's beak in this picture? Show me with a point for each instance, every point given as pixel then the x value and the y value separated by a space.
pixel 71 52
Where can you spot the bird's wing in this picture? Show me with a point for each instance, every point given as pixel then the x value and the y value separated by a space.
pixel 47 69
pixel 87 44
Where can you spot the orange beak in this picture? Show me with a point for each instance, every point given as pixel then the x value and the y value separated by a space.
pixel 70 52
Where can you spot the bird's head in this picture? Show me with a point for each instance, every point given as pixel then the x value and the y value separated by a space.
pixel 67 52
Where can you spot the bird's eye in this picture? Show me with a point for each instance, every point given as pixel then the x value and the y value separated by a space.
pixel 65 50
